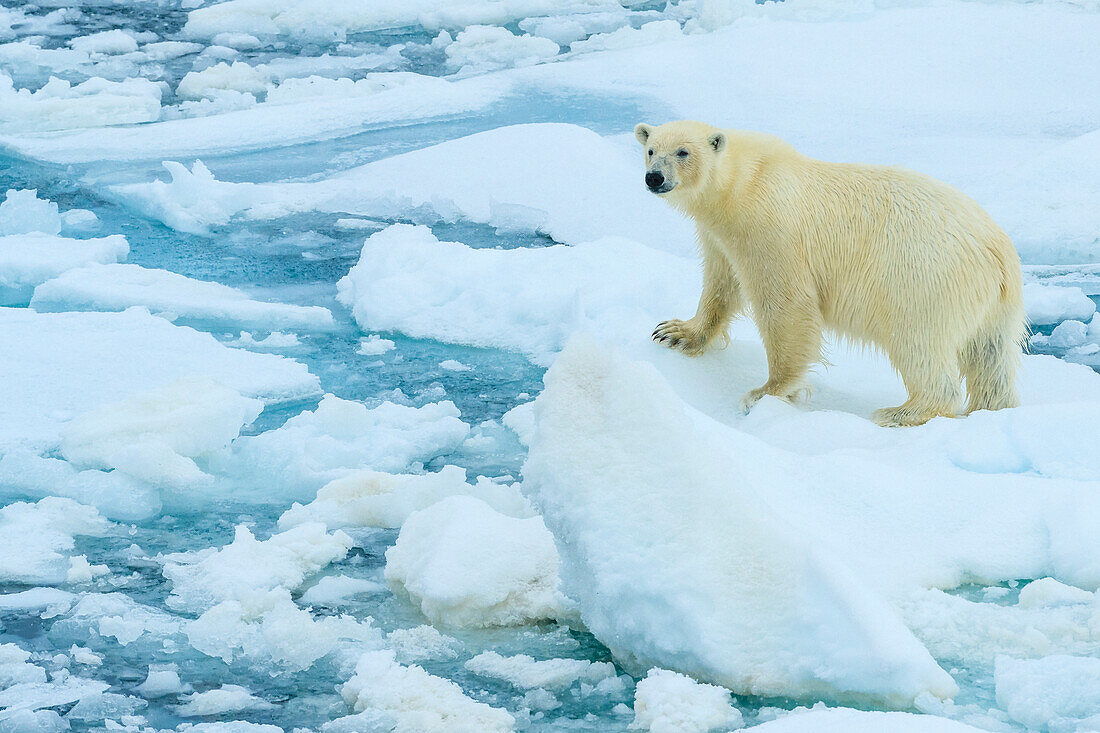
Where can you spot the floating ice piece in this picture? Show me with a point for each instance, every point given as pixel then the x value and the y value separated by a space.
pixel 418 701
pixel 202 579
pixel 1048 304
pixel 118 287
pixel 648 34
pixel 703 581
pixel 81 571
pixel 463 564
pixel 845 720
pixel 108 42
pixel 1047 592
pixel 116 617
pixel 28 260
pixel 46 602
pixel 375 499
pixel 332 590
pixel 338 438
pixel 154 435
pixel 669 702
pixel 161 682
pixel 234 726
pixel 240 77
pixel 525 673
pixel 408 281
pixel 58 365
pixel 114 494
pixel 267 629
pixel 482 48
pixel 1053 693
pixel 37 695
pixel 313 87
pixel 15 669
pixel 23 212
pixel 274 340
pixel 168 50
pixel 374 345
pixel 422 643
pixel 59 105
pixel 514 177
pixel 44 533
pixel 226 699
pixel 453 365
pixel 1068 334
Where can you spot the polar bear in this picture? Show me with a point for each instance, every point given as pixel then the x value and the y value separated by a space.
pixel 878 255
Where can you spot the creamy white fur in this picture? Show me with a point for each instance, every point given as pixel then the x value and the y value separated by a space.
pixel 880 255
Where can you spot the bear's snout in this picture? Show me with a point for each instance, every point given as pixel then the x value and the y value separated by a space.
pixel 654 180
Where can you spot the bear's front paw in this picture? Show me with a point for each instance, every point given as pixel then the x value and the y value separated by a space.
pixel 679 335
pixel 749 400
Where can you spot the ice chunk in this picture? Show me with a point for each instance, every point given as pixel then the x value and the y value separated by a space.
pixel 202 579
pixel 1047 592
pixel 1068 334
pixel 1048 304
pixel 274 340
pixel 339 437
pixel 162 681
pixel 37 695
pixel 28 260
pixel 375 499
pixel 525 673
pixel 59 105
pixel 464 564
pixel 81 571
pixel 453 365
pixel 108 42
pixel 647 560
pixel 44 533
pixel 408 281
pixel 332 590
pixel 845 720
pixel 240 77
pixel 154 435
pixel 45 602
pixel 656 31
pixel 417 700
pixel 58 365
pixel 233 726
pixel 422 643
pixel 226 699
pixel 117 287
pixel 23 212
pixel 374 345
pixel 266 629
pixel 669 702
pixel 15 669
pixel 483 48
pixel 1051 693
pixel 168 50
pixel 114 616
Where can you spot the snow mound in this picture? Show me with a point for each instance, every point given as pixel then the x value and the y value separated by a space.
pixel 153 436
pixel 338 438
pixel 513 177
pixel 44 534
pixel 59 105
pixel 207 577
pixel 675 562
pixel 116 287
pixel 416 700
pixel 59 365
pixel 482 48
pixel 28 260
pixel 408 281
pixel 669 702
pixel 845 720
pixel 375 499
pixel 1054 693
pixel 465 565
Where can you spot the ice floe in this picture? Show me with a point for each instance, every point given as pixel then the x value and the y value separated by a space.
pixel 669 702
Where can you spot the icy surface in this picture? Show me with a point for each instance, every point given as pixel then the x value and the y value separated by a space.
pixel 666 702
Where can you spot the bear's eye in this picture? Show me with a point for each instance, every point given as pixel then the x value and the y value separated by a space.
pixel 682 153
pixel 651 152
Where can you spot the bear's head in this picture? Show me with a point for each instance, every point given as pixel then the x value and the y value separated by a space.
pixel 679 156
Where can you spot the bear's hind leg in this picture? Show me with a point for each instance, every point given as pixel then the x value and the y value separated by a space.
pixel 990 361
pixel 932 380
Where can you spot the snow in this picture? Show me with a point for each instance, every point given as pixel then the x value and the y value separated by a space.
pixel 340 437
pixel 45 533
pixel 465 565
pixel 667 702
pixel 417 700
pixel 408 281
pixel 512 177
pixel 656 31
pixel 226 699
pixel 28 260
pixel 525 673
pixel 845 720
pixel 203 579
pixel 58 365
pixel 377 499
pixel 120 286
pixel 154 436
pixel 1052 693
pixel 59 105
pixel 482 48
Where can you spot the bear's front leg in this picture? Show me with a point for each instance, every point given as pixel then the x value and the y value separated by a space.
pixel 720 301
pixel 792 335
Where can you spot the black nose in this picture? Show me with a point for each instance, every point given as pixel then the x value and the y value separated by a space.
pixel 654 180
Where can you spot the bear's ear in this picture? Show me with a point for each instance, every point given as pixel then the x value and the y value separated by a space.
pixel 717 141
pixel 642 132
